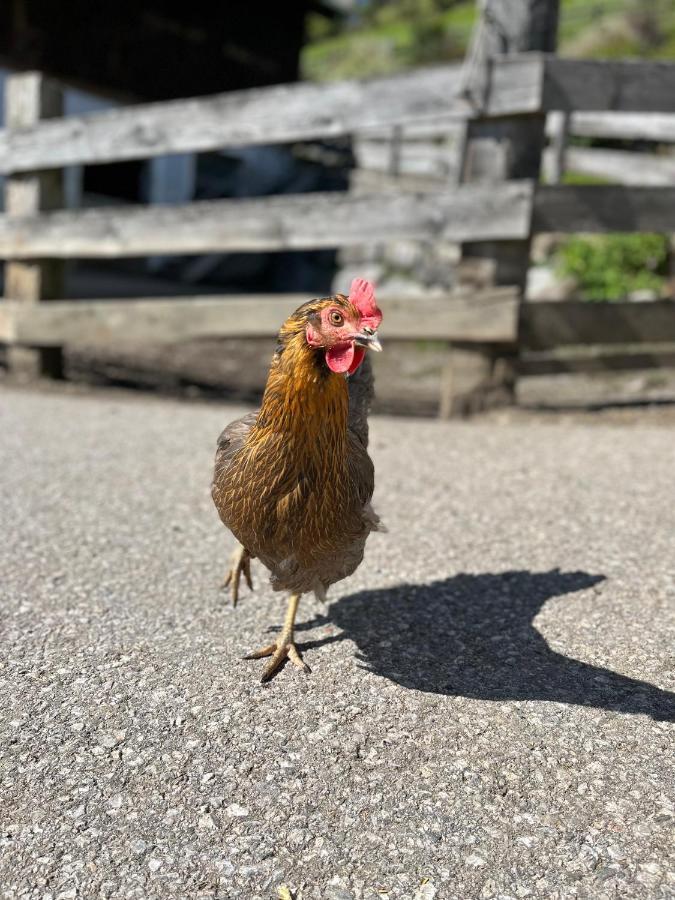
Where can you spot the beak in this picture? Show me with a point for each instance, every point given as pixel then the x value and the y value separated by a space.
pixel 368 338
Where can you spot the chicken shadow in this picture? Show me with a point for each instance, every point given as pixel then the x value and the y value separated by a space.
pixel 473 636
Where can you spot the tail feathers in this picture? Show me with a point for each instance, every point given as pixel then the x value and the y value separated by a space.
pixel 372 518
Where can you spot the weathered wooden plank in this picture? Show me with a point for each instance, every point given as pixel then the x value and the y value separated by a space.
pixel 626 86
pixel 469 213
pixel 554 157
pixel 369 181
pixel 30 97
pixel 648 126
pixel 423 131
pixel 646 169
pixel 625 126
pixel 600 208
pixel 273 223
pixel 516 84
pixel 596 360
pixel 417 158
pixel 546 325
pixel 623 166
pixel 485 316
pixel 265 115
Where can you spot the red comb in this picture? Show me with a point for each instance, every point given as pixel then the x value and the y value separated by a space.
pixel 362 295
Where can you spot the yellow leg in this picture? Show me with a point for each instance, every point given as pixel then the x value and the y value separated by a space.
pixel 283 647
pixel 240 565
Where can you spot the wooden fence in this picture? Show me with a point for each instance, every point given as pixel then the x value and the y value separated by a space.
pixel 35 234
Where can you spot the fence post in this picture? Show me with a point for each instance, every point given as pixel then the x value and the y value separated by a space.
pixel 30 97
pixel 478 376
pixel 559 123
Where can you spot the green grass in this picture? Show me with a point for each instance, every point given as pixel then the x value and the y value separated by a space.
pixel 612 266
pixel 609 34
pixel 582 178
pixel 392 41
pixel 572 19
pixel 402 34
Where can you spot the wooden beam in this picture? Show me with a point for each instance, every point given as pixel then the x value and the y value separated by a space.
pixel 625 126
pixel 596 360
pixel 626 86
pixel 555 157
pixel 29 97
pixel 471 212
pixel 369 181
pixel 305 221
pixel 424 131
pixel 284 113
pixel 647 126
pixel 547 325
pixel 417 158
pixel 270 115
pixel 624 166
pixel 600 208
pixel 485 316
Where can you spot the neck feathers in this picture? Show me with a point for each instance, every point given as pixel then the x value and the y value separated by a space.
pixel 304 400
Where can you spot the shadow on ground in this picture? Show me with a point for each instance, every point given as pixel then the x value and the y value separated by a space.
pixel 473 636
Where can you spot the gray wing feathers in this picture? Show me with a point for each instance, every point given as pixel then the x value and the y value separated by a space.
pixel 232 439
pixel 361 392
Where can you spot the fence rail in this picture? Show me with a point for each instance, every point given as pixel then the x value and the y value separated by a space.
pixel 546 326
pixel 518 85
pixel 623 166
pixel 269 115
pixel 303 221
pixel 585 85
pixel 469 212
pixel 490 316
pixel 639 126
pixel 598 360
pixel 600 208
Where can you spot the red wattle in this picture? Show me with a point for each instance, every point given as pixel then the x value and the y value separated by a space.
pixel 359 353
pixel 340 357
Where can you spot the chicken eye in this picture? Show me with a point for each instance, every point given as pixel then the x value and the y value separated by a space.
pixel 336 318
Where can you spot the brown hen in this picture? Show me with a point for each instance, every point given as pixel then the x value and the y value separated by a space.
pixel 293 481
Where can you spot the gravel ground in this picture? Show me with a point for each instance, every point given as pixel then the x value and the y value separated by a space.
pixel 491 707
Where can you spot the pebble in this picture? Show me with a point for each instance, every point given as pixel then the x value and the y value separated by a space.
pixel 235 810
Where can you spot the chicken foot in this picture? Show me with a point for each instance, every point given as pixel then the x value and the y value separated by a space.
pixel 284 646
pixel 240 564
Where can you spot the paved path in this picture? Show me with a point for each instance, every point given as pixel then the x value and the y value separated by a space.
pixel 490 712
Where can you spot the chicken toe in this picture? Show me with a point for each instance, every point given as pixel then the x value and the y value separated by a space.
pixel 283 648
pixel 279 651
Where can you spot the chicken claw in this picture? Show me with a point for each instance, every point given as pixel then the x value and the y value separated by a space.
pixel 241 563
pixel 279 651
pixel 283 648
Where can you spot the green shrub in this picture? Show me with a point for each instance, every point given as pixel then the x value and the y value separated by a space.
pixel 609 267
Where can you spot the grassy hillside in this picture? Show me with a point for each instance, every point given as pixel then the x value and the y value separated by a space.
pixel 386 37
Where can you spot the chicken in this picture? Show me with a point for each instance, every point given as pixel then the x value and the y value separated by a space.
pixel 293 481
